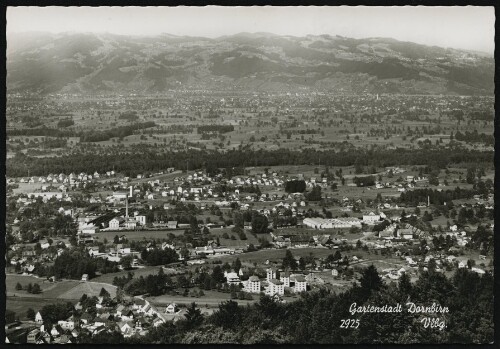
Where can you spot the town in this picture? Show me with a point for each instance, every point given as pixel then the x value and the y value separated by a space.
pixel 212 182
pixel 212 238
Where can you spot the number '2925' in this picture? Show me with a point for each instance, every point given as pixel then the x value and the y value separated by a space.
pixel 349 323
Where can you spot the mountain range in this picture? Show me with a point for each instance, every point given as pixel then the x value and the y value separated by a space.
pixel 107 63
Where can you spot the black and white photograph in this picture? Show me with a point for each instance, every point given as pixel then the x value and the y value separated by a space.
pixel 249 175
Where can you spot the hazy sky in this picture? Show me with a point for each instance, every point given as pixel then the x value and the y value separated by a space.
pixel 467 27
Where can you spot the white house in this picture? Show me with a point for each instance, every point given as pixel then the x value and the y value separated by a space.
pixel 371 218
pixel 89 229
pixel 171 309
pixel 300 284
pixel 271 274
pixel 275 287
pixel 285 278
pixel 141 219
pixel 54 332
pixel 232 278
pixel 38 318
pixel 253 284
pixel 114 223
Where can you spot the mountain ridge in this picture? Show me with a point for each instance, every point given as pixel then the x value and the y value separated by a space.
pixel 89 63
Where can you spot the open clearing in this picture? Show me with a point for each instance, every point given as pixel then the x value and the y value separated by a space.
pixel 49 289
pixel 21 304
pixel 89 288
pixel 66 289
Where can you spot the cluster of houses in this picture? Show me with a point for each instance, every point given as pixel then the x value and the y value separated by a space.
pixel 65 182
pixel 130 318
pixel 25 258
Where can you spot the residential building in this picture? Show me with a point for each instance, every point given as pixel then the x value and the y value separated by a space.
pixel 285 278
pixel 371 218
pixel 253 284
pixel 275 287
pixel 232 278
pixel 271 273
pixel 300 284
pixel 171 309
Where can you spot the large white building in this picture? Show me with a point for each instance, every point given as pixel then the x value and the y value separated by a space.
pixel 114 223
pixel 141 219
pixel 285 278
pixel 232 278
pixel 271 274
pixel 300 284
pixel 321 223
pixel 275 287
pixel 253 284
pixel 371 218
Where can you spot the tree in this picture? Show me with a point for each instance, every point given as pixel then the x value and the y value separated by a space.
pixel 30 314
pixel 218 275
pixel 126 262
pixel 36 289
pixel 193 316
pixel 295 186
pixel 193 225
pixel 19 287
pixel 104 293
pixel 370 279
pixel 184 253
pixel 236 265
pixel 431 265
pixel 289 261
pixel 315 194
pixel 259 224
pixel 471 175
pixel 364 181
pixel 29 288
pixel 228 316
pixel 404 285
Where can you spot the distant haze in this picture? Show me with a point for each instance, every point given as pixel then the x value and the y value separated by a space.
pixel 462 27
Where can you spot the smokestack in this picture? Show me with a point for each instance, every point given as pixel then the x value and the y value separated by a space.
pixel 126 208
pixel 130 191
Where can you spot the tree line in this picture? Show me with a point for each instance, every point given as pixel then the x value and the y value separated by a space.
pixel 135 161
pixel 316 317
pixel 85 136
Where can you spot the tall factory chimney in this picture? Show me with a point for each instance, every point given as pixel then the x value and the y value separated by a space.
pixel 126 207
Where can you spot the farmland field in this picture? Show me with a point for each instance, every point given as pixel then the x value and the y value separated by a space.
pixel 21 304
pixel 89 288
pixel 49 289
pixel 66 289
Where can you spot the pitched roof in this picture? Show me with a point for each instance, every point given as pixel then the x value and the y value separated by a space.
pixel 300 278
